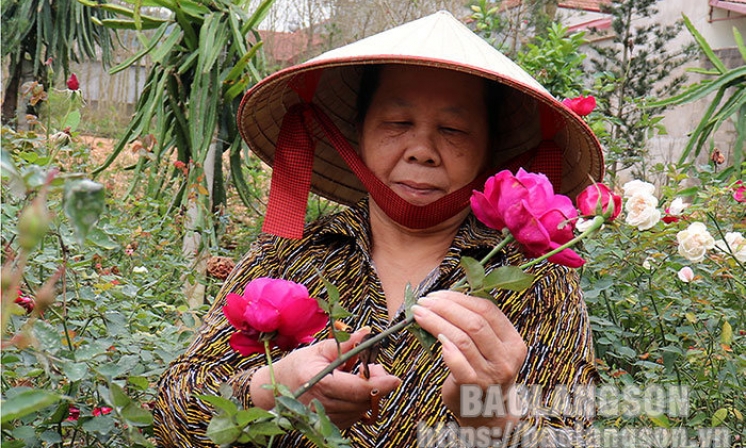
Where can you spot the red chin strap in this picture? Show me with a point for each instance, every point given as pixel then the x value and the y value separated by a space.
pixel 291 179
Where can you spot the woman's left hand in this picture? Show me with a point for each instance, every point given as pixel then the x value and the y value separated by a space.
pixel 481 347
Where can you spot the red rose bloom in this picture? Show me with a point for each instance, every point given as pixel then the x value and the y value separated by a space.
pixel 73 413
pixel 27 303
pixel 103 410
pixel 72 82
pixel 582 105
pixel 272 309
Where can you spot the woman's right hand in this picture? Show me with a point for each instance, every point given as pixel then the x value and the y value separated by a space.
pixel 345 396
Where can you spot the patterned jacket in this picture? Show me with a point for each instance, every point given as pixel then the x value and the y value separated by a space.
pixel 550 315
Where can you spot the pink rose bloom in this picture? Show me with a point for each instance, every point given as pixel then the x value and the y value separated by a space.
pixel 582 105
pixel 274 309
pixel 72 82
pixel 526 205
pixel 597 199
pixel 103 410
pixel 739 193
pixel 686 274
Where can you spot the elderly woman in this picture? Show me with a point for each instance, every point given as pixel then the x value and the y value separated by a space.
pixel 402 127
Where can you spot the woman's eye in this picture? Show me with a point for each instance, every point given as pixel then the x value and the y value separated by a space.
pixel 453 131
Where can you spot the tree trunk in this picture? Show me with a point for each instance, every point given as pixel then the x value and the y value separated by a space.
pixel 10 98
pixel 193 246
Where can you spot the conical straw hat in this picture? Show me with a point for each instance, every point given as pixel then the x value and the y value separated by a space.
pixel 331 81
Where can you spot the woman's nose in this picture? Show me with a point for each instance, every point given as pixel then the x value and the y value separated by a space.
pixel 422 149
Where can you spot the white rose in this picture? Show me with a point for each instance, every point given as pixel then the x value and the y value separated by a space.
pixel 677 207
pixel 694 242
pixel 583 224
pixel 737 244
pixel 647 264
pixel 686 274
pixel 635 187
pixel 642 211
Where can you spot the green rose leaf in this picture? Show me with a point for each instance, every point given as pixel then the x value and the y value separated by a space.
pixel 508 277
pixel 474 273
pixel 223 430
pixel 25 403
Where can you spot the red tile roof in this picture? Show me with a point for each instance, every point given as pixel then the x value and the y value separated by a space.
pixel 288 48
pixel 738 6
pixel 586 5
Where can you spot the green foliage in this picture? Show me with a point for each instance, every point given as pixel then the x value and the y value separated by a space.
pixel 202 64
pixel 652 328
pixel 509 28
pixel 487 22
pixel 59 31
pixel 104 278
pixel 233 424
pixel 555 61
pixel 729 87
pixel 636 67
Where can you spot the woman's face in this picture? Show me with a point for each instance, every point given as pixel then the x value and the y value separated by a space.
pixel 425 133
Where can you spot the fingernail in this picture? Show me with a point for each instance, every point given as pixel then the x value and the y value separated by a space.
pixel 418 310
pixel 425 300
pixel 445 341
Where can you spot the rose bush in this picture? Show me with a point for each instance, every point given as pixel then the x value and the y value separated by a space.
pixel 274 310
pixel 658 318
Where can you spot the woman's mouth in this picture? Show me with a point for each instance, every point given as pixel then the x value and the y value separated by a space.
pixel 417 192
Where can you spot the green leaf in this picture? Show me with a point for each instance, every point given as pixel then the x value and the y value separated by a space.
pixel 474 273
pixel 75 371
pixel 223 404
pixel 259 14
pixel 739 43
pixel 660 420
pixel 266 428
pixel 508 277
pixel 25 403
pixel 116 396
pixel 136 415
pixel 84 202
pixel 726 335
pixel 718 418
pixel 127 24
pixel 704 46
pixel 212 39
pixel 423 337
pixel 292 405
pixel 137 56
pixel 164 48
pixel 72 121
pixel 245 416
pixel 139 382
pixel 100 239
pixel 223 430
